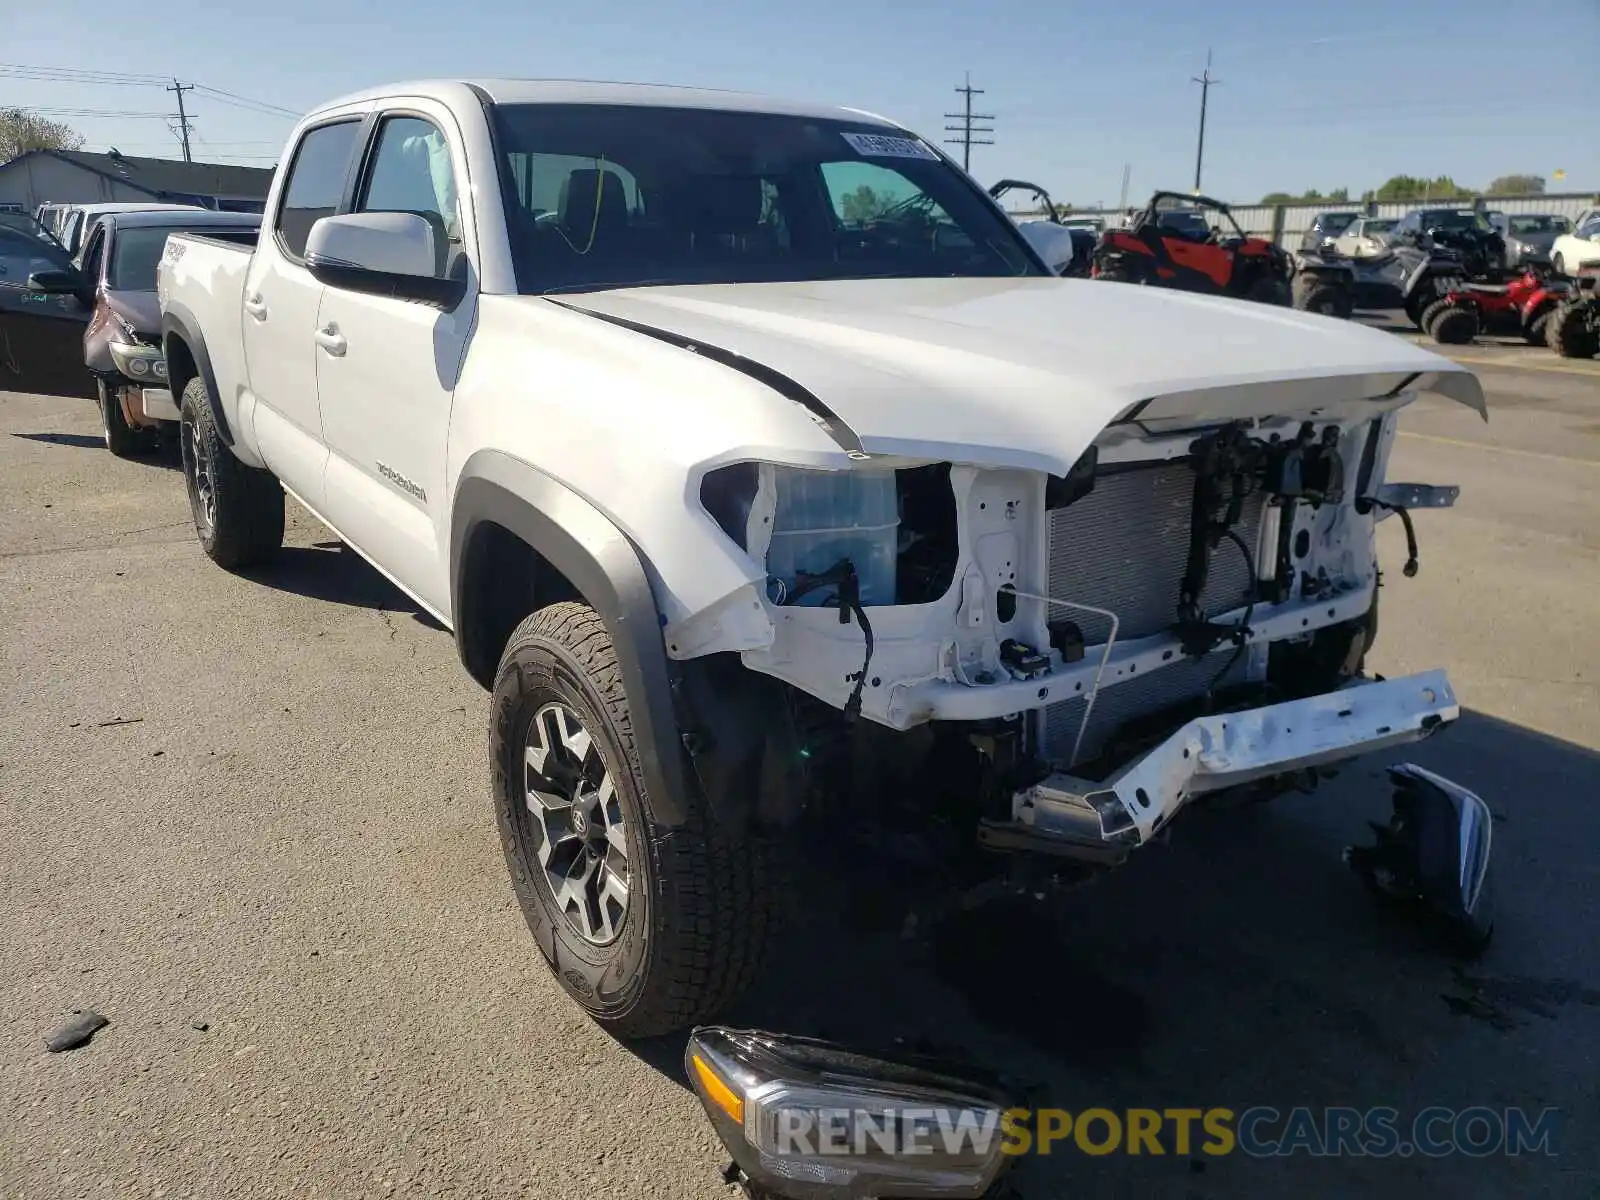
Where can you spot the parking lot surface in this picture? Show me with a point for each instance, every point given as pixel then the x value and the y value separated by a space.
pixel 247 820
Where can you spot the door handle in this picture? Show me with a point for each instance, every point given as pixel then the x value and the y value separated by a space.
pixel 331 340
pixel 256 307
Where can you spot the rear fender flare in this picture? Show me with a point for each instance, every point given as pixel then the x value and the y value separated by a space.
pixel 178 322
pixel 603 565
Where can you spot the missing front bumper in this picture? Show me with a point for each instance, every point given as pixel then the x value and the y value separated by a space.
pixel 1104 820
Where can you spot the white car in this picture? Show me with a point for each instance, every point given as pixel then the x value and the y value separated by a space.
pixel 72 226
pixel 1366 237
pixel 730 436
pixel 1573 251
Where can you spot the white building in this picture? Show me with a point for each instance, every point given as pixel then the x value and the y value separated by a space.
pixel 77 177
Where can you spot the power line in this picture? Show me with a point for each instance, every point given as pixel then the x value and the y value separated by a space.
pixel 183 117
pixel 966 129
pixel 1205 81
pixel 247 103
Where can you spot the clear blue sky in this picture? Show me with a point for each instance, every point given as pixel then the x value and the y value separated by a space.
pixel 1323 95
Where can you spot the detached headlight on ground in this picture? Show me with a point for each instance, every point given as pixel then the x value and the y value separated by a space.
pixel 139 362
pixel 810 1120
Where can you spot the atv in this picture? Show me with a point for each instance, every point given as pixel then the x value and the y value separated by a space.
pixel 1524 305
pixel 1574 329
pixel 1065 250
pixel 1178 241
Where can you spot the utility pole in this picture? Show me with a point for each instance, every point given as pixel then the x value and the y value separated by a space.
pixel 183 117
pixel 1205 81
pixel 1122 204
pixel 966 129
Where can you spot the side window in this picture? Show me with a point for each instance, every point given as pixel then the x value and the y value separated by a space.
pixel 94 253
pixel 410 172
pixel 316 182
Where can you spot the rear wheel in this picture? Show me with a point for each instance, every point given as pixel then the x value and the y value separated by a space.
pixel 1451 324
pixel 123 439
pixel 650 928
pixel 1573 332
pixel 238 510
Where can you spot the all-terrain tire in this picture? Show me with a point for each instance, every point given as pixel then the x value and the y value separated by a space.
pixel 1271 291
pixel 1329 299
pixel 1573 333
pixel 237 510
pixel 1537 331
pixel 1453 325
pixel 122 439
pixel 701 897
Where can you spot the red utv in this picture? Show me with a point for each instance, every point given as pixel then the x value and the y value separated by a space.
pixel 1524 305
pixel 1192 243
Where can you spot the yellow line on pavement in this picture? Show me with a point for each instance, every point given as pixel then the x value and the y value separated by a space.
pixel 1490 446
pixel 1591 370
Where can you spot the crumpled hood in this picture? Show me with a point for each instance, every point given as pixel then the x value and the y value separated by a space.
pixel 141 310
pixel 1029 371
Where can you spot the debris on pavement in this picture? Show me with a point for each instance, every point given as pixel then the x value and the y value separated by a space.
pixel 76 1032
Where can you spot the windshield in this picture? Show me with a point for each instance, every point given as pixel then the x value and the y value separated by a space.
pixel 621 195
pixel 1453 220
pixel 1380 226
pixel 137 252
pixel 1537 224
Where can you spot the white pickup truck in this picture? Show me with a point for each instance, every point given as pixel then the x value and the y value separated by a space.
pixel 729 435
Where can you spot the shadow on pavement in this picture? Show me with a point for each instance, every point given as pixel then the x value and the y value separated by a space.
pixel 1243 964
pixel 328 571
pixel 164 455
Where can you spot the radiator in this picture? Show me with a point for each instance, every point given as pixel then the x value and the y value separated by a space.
pixel 1124 547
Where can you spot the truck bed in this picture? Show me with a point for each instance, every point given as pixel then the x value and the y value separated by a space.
pixel 200 283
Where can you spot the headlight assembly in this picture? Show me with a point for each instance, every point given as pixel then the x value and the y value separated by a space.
pixel 139 362
pixel 810 1120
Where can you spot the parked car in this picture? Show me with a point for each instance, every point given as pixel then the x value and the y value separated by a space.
pixel 73 225
pixel 40 335
pixel 1571 252
pixel 118 319
pixel 1530 237
pixel 1192 243
pixel 1366 237
pixel 1465 231
pixel 1325 227
pixel 717 488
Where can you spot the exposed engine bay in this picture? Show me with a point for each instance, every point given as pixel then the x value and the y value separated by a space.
pixel 1039 644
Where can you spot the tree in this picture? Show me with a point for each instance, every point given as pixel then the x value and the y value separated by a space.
pixel 1517 185
pixel 861 205
pixel 22 131
pixel 1310 196
pixel 1410 187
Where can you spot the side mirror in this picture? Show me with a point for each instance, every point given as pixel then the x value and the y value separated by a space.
pixel 58 283
pixel 384 254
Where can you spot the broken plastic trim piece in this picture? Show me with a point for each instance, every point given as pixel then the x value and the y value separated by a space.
pixel 1434 852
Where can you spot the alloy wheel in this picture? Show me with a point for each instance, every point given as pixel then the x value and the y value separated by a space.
pixel 579 831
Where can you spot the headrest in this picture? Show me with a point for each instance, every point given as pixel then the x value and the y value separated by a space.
pixel 577 202
pixel 717 203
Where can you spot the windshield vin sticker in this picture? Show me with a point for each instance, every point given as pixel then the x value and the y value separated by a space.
pixel 877 145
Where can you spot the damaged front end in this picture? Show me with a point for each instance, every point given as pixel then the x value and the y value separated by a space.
pixel 1186 609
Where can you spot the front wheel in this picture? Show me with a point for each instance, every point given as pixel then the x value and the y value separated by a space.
pixel 1450 324
pixel 237 510
pixel 1558 264
pixel 123 438
pixel 650 928
pixel 1328 299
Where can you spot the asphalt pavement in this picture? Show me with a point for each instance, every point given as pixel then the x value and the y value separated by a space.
pixel 247 820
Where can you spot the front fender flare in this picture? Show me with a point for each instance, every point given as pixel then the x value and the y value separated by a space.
pixel 599 561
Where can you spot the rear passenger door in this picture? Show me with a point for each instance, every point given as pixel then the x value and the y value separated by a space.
pixel 387 367
pixel 280 308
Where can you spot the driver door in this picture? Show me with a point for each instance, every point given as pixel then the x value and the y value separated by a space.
pixel 41 333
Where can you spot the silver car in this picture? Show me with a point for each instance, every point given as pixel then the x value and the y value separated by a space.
pixel 1529 237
